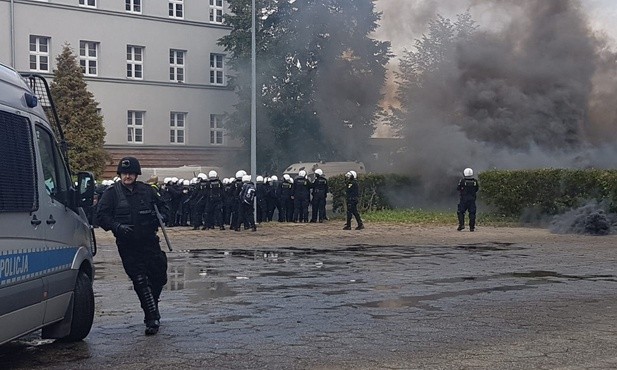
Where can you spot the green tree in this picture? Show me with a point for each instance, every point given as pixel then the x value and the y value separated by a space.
pixel 78 114
pixel 425 75
pixel 319 77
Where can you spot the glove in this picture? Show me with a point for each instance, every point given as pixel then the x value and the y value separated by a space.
pixel 124 230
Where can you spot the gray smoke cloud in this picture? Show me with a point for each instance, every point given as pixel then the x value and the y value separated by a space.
pixel 534 88
pixel 591 219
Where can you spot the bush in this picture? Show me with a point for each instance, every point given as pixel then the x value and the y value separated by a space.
pixel 373 190
pixel 546 191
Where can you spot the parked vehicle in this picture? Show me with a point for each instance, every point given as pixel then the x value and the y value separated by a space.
pixel 46 241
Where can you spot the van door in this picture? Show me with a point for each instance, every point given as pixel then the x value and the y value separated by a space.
pixel 22 232
pixel 65 231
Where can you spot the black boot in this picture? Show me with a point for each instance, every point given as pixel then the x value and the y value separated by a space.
pixel 347 227
pixel 148 304
pixel 461 221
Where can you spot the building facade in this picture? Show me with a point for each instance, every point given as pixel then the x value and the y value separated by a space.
pixel 154 67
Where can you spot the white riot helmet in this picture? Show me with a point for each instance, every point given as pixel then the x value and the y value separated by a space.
pixel 351 175
pixel 194 180
pixel 225 181
pixel 213 175
pixel 174 179
pixel 239 174
pixel 468 172
pixel 274 178
pixel 259 179
pixel 302 173
pixel 202 176
pixel 246 178
pixel 181 181
pixel 287 178
pixel 319 172
pixel 186 182
pixel 266 180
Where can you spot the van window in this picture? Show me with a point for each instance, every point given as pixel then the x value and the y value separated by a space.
pixel 55 174
pixel 17 164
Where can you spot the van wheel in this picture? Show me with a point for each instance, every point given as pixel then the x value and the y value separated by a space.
pixel 83 309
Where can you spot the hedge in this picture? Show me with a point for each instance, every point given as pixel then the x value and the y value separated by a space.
pixel 509 193
pixel 546 191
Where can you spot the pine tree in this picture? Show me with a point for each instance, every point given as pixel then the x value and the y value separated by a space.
pixel 78 113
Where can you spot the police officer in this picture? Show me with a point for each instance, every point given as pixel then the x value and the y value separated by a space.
pixel 127 209
pixel 286 199
pixel 353 195
pixel 301 193
pixel 467 188
pixel 247 195
pixel 319 190
pixel 214 210
pixel 236 206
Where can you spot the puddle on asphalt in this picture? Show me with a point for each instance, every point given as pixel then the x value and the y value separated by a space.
pixel 219 274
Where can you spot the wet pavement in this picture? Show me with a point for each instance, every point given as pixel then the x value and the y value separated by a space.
pixel 482 305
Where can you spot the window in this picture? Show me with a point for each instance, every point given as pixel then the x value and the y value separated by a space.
pixel 88 52
pixel 55 173
pixel 216 11
pixel 216 129
pixel 18 164
pixel 176 65
pixel 88 3
pixel 133 6
pixel 216 69
pixel 39 53
pixel 135 125
pixel 177 121
pixel 176 8
pixel 134 62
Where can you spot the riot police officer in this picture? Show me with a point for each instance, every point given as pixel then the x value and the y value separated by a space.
pixel 353 195
pixel 301 193
pixel 127 209
pixel 467 188
pixel 214 208
pixel 286 199
pixel 319 189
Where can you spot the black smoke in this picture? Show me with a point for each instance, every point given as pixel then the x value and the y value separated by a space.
pixel 536 89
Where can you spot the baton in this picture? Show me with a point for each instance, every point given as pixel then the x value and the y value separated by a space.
pixel 158 217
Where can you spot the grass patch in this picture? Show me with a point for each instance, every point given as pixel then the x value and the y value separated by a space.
pixel 430 217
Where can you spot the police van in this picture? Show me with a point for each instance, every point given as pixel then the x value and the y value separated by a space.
pixel 46 241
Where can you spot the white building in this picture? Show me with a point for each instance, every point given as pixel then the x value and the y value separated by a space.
pixel 154 66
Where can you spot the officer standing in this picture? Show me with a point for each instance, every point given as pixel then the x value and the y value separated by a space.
pixel 127 209
pixel 286 199
pixel 214 210
pixel 301 194
pixel 319 190
pixel 353 195
pixel 467 188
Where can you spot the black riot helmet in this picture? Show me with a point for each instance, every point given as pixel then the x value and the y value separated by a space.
pixel 129 165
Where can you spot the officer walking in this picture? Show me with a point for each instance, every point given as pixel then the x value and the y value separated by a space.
pixel 127 209
pixel 467 188
pixel 353 195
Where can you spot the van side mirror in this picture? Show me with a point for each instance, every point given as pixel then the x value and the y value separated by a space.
pixel 85 193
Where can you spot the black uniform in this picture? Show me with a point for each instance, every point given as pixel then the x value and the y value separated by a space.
pixel 262 205
pixel 286 201
pixel 214 208
pixel 353 195
pixel 301 191
pixel 467 188
pixel 246 197
pixel 131 216
pixel 319 190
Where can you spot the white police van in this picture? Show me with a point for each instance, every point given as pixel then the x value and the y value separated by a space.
pixel 46 241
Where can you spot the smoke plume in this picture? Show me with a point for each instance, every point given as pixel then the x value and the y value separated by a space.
pixel 534 87
pixel 591 219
